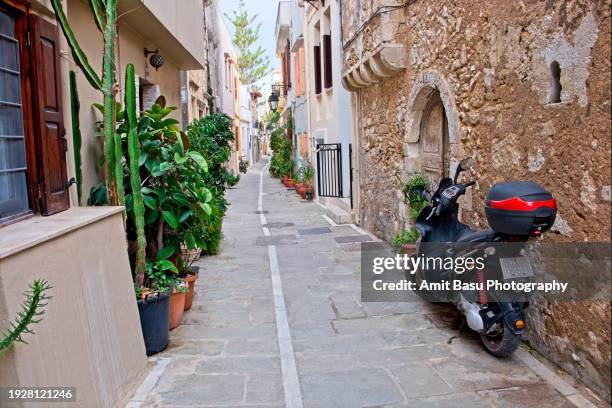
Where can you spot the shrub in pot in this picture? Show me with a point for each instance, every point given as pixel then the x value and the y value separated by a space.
pixel 308 176
pixel 405 241
pixel 177 303
pixel 154 304
pixel 190 278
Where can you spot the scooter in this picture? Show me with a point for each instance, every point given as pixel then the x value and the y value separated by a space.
pixel 516 212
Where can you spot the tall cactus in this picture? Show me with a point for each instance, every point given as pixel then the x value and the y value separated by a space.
pixel 105 14
pixel 135 181
pixel 118 154
pixel 109 90
pixel 75 108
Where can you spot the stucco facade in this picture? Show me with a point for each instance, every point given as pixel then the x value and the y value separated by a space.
pixel 82 341
pixel 329 110
pixel 524 89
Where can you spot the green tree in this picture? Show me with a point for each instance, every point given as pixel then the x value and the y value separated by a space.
pixel 253 64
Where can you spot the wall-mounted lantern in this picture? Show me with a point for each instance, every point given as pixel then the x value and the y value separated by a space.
pixel 273 101
pixel 156 60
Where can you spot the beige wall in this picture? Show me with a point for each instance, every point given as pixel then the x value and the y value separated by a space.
pixel 130 50
pixel 90 336
pixel 184 19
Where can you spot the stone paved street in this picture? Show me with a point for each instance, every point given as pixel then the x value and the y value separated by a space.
pixel 346 353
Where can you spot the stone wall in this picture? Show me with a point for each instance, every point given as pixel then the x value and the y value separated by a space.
pixel 493 64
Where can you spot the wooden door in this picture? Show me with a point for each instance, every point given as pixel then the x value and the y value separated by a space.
pixel 434 141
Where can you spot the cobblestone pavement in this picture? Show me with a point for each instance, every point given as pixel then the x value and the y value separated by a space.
pixel 335 351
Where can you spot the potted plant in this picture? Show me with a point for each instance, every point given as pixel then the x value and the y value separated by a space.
pixel 405 241
pixel 300 187
pixel 413 190
pixel 177 303
pixel 153 308
pixel 154 304
pixel 190 277
pixel 308 176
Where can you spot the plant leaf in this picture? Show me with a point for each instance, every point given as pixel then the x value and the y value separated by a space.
pixel 198 158
pixel 165 253
pixel 170 219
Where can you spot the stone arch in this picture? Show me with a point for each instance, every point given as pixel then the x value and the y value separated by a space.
pixel 426 85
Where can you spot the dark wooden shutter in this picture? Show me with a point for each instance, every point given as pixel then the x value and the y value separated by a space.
pixel 50 137
pixel 327 63
pixel 288 65
pixel 317 68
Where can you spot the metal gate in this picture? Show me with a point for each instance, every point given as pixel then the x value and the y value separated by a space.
pixel 329 169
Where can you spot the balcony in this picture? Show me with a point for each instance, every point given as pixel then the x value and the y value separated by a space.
pixel 177 27
pixel 373 47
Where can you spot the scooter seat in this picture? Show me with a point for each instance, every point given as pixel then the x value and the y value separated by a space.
pixel 468 235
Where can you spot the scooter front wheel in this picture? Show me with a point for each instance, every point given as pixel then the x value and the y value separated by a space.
pixel 503 343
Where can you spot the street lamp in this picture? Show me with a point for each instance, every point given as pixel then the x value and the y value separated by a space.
pixel 273 101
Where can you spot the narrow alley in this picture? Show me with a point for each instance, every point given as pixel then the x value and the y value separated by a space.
pixel 278 322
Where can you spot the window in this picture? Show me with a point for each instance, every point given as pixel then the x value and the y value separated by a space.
pixel 554 93
pixel 317 69
pixel 300 74
pixel 287 67
pixel 13 185
pixel 327 60
pixel 32 136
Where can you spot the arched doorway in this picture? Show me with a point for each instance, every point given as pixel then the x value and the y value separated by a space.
pixel 434 140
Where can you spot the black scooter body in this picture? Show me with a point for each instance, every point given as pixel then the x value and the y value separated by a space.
pixel 444 227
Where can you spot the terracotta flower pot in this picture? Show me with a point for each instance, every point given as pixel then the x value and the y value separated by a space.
pixel 177 307
pixel 408 249
pixel 284 180
pixel 301 190
pixel 190 279
pixel 290 183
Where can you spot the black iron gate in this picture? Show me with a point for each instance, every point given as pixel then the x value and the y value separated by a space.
pixel 329 169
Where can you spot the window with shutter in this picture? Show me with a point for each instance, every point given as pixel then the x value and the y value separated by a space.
pixel 317 69
pixel 14 201
pixel 50 135
pixel 327 55
pixel 288 65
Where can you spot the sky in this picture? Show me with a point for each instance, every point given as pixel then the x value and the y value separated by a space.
pixel 266 15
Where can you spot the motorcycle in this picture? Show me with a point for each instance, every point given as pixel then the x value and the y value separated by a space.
pixel 516 212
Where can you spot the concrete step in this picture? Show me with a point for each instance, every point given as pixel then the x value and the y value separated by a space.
pixel 339 215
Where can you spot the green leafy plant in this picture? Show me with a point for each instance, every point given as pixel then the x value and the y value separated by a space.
pixel 160 274
pixel 308 176
pixel 413 189
pixel 181 286
pixel 98 196
pixel 406 237
pixel 212 137
pixel 243 165
pixel 32 311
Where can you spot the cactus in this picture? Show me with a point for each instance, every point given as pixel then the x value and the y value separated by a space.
pixel 106 20
pixel 109 91
pixel 75 108
pixel 135 182
pixel 32 311
pixel 79 56
pixel 118 154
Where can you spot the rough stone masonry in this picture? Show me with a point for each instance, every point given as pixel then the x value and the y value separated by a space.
pixel 523 87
